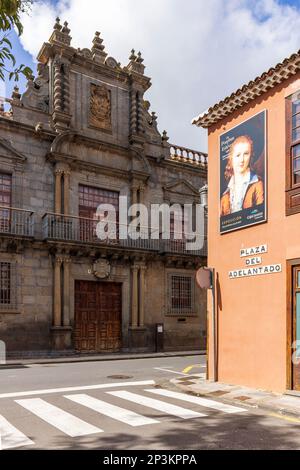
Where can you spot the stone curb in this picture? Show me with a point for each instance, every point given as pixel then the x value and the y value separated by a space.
pixel 258 405
pixel 117 357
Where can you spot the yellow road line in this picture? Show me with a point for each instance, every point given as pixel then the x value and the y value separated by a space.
pixel 187 369
pixel 286 418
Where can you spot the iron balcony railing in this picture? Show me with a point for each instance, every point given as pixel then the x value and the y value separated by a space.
pixel 83 230
pixel 19 222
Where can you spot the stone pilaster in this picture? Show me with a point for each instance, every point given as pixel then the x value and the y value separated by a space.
pixel 57 317
pixel 134 297
pixel 61 330
pixel 66 293
pixel 62 170
pixel 58 180
pixel 134 193
pixel 141 194
pixel 66 191
pixel 142 296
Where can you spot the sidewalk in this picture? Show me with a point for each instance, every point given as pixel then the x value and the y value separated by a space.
pixel 282 404
pixel 49 359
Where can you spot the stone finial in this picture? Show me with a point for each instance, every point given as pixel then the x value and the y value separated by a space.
pixel 15 94
pixel 98 49
pixel 139 58
pixel 164 137
pixel 57 25
pixel 153 116
pixel 65 29
pixel 132 56
pixel 60 34
pixel 154 120
pixel 136 63
pixel 98 42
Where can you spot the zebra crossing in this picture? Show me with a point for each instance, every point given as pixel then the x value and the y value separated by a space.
pixel 182 406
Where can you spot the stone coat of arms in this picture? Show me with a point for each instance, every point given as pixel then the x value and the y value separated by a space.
pixel 100 107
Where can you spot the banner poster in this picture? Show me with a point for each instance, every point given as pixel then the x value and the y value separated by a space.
pixel 243 174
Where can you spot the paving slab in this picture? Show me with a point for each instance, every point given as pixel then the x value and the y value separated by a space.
pixel 278 403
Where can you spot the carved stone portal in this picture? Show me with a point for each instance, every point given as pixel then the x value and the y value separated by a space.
pixel 100 107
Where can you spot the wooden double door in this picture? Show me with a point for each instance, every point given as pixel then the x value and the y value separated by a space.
pixel 98 316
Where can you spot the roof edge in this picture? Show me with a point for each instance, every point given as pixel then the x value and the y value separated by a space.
pixel 268 80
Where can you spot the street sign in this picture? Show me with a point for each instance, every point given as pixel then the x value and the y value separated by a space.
pixel 204 278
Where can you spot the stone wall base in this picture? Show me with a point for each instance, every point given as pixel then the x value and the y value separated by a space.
pixel 138 339
pixel 61 337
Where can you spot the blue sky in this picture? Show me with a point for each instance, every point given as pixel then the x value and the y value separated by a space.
pixel 290 2
pixel 196 52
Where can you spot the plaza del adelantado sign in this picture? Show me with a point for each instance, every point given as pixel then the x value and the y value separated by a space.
pixel 253 263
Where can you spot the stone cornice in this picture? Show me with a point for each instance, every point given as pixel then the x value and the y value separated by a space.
pixel 89 141
pixel 8 124
pixel 75 163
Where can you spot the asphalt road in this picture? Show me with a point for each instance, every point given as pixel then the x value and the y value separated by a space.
pixel 125 405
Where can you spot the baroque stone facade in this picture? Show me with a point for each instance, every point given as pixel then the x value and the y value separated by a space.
pixel 81 131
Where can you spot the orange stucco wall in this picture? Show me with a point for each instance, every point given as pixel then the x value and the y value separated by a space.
pixel 252 312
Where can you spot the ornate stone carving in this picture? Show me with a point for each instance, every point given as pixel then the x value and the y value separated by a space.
pixel 136 63
pixel 37 93
pixel 101 268
pixel 60 34
pixel 111 62
pixel 86 53
pixel 100 107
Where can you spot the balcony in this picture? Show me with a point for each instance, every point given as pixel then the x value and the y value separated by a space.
pixel 18 222
pixel 58 227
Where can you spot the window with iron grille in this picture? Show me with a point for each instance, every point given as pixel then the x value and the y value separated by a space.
pixel 8 283
pixel 181 294
pixel 89 200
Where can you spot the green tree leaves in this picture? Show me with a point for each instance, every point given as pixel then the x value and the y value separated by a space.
pixel 10 11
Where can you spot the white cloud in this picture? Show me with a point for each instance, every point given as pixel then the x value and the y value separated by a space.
pixel 196 52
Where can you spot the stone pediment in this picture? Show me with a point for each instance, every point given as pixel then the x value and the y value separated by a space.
pixel 9 152
pixel 183 187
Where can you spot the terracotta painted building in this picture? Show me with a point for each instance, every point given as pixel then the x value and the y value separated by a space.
pixel 253 230
pixel 80 135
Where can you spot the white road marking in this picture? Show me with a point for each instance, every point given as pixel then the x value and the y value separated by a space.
pixel 60 419
pixel 172 371
pixel 74 389
pixel 11 437
pixel 112 411
pixel 216 405
pixel 157 405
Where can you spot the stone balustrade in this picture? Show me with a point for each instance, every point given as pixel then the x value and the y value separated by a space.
pixel 186 155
